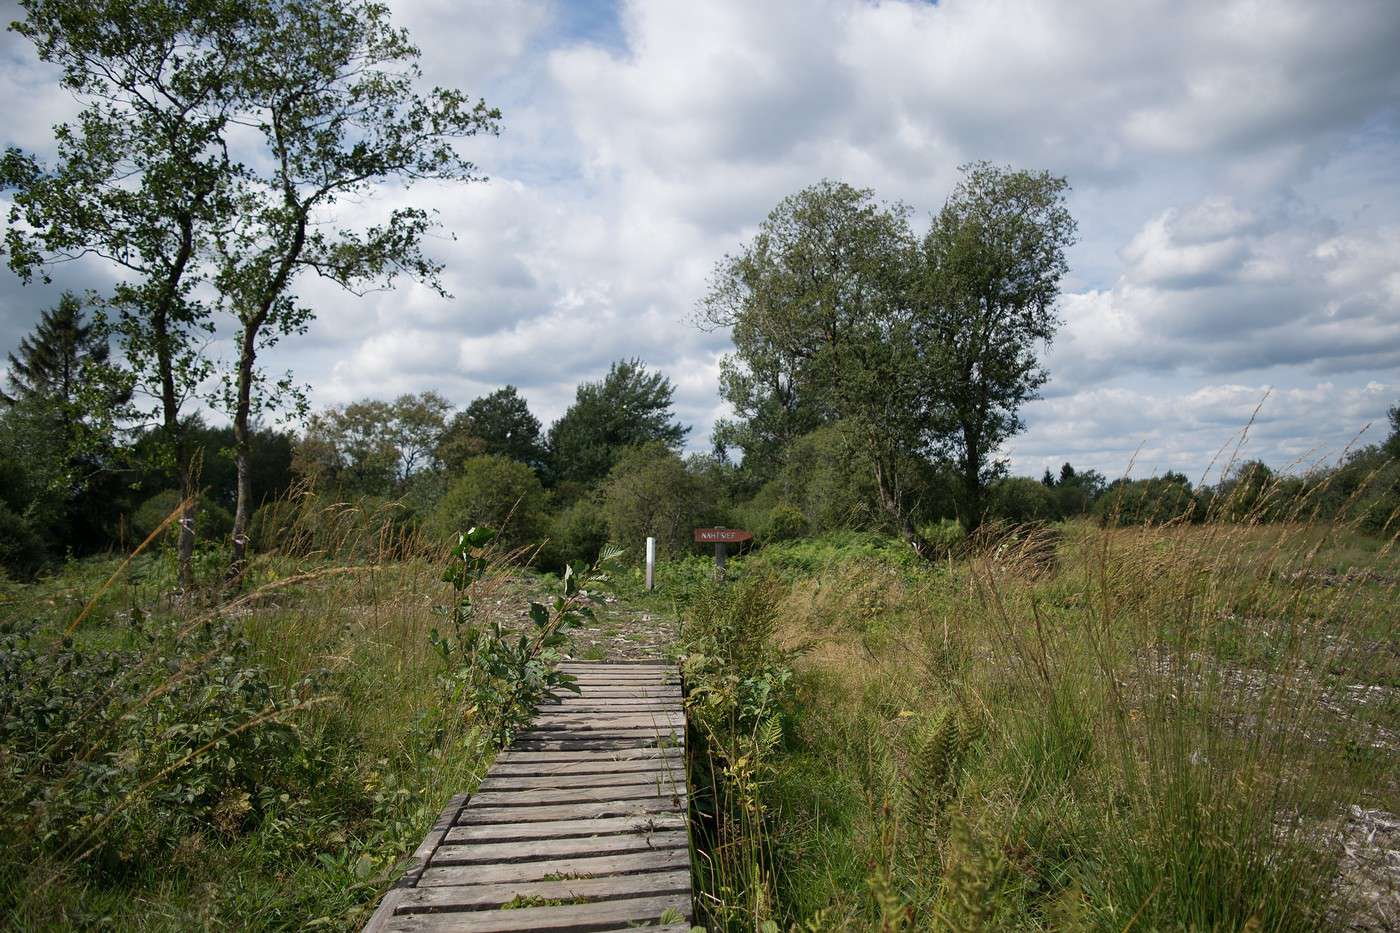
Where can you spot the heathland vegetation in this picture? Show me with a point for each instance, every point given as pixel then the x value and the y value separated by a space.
pixel 243 667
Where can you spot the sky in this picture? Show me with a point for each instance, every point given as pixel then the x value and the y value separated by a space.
pixel 1235 173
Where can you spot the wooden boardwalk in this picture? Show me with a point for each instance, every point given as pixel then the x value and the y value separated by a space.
pixel 580 825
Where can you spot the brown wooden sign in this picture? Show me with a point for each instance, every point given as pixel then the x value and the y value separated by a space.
pixel 721 536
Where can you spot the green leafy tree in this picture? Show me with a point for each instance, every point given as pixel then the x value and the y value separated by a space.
pixel 650 493
pixel 1021 499
pixel 1391 447
pixel 503 422
pixel 140 179
pixel 989 277
pixel 496 492
pixel 1076 490
pixel 627 407
pixel 331 88
pixel 819 304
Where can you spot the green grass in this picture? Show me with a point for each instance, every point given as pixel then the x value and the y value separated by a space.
pixel 379 747
pixel 1157 732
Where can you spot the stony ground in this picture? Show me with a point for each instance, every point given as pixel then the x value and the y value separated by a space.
pixel 625 633
pixel 1369 873
pixel 620 632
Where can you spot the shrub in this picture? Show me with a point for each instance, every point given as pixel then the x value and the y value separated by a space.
pixel 649 493
pixel 785 522
pixel 212 521
pixel 1145 502
pixel 118 753
pixel 579 532
pixel 498 492
pixel 1019 499
pixel 944 536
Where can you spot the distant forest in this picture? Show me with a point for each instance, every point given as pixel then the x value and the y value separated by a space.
pixel 74 483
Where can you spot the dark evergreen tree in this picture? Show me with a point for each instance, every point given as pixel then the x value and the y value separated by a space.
pixel 503 422
pixel 627 407
pixel 53 362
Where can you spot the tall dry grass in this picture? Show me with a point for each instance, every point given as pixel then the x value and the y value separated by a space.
pixel 261 757
pixel 1076 728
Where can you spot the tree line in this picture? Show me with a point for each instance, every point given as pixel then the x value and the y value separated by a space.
pixel 610 468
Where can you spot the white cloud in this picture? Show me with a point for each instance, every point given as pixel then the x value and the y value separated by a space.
pixel 1235 173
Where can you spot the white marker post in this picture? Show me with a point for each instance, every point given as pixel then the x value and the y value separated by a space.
pixel 651 563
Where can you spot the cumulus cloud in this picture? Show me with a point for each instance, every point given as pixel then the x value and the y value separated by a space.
pixel 1234 169
pixel 1139 432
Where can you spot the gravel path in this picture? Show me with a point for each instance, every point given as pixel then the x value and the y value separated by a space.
pixel 620 632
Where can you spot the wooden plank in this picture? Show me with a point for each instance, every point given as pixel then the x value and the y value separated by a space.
pixel 475 816
pixel 591 702
pixel 586 722
pixel 560 869
pixel 580 825
pixel 575 918
pixel 491 896
pixel 505 852
pixel 508 782
pixel 606 741
pixel 586 765
pixel 564 829
pixel 566 795
pixel 515 756
pixel 597 740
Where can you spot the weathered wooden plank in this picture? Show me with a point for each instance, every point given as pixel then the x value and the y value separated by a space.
pixel 508 782
pixel 593 702
pixel 558 869
pixel 667 691
pixel 515 756
pixel 583 681
pixel 586 722
pixel 576 918
pixel 490 896
pixel 644 726
pixel 506 852
pixel 603 741
pixel 664 666
pixel 567 795
pixel 573 811
pixel 564 829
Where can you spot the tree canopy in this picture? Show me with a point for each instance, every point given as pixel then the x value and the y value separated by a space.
pixel 503 422
pixel 629 406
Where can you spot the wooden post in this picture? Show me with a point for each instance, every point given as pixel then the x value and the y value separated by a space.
pixel 720 548
pixel 651 563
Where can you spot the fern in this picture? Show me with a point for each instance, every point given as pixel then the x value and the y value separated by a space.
pixel 932 781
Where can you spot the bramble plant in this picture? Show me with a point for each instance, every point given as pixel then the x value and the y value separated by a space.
pixel 502 675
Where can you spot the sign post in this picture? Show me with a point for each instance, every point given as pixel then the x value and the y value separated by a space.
pixel 651 563
pixel 721 538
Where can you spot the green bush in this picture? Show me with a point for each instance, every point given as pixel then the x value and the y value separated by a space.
pixel 944 536
pixel 212 522
pixel 122 752
pixel 1145 502
pixel 785 523
pixel 496 492
pixel 579 533
pixel 649 493
pixel 1020 499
